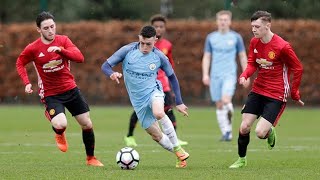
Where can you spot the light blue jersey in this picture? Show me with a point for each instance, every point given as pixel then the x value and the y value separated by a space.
pixel 224 49
pixel 140 77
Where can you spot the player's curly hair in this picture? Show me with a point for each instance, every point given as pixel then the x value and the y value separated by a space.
pixel 158 17
pixel 43 16
pixel 264 15
pixel 148 32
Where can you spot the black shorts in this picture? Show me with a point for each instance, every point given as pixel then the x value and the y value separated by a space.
pixel 72 100
pixel 168 99
pixel 269 108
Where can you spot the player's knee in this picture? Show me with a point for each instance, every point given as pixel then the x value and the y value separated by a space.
pixel 159 114
pixel 261 133
pixel 87 124
pixel 59 121
pixel 245 128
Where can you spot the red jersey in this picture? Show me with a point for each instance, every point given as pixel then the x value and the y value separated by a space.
pixel 275 61
pixel 53 68
pixel 166 47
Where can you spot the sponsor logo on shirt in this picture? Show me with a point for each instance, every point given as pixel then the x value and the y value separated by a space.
pixel 53 66
pixel 271 55
pixel 263 63
pixel 139 75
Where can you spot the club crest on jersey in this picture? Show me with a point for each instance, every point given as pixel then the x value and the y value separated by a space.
pixel 52 111
pixel 230 42
pixel 152 66
pixel 271 55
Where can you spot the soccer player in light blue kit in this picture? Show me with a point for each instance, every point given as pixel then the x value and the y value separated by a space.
pixel 221 49
pixel 140 64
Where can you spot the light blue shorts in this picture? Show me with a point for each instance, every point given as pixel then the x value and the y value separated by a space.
pixel 220 86
pixel 145 115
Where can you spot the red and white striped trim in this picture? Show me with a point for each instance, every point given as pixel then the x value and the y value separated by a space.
pixel 285 83
pixel 40 84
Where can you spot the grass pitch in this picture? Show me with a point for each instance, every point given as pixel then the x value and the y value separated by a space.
pixel 28 151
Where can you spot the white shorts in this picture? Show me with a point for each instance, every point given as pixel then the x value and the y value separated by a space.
pixel 220 86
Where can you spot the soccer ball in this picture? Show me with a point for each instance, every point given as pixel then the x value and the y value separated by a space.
pixel 127 158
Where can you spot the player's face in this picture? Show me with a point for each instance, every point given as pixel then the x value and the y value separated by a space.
pixel 160 27
pixel 223 22
pixel 146 44
pixel 260 28
pixel 47 30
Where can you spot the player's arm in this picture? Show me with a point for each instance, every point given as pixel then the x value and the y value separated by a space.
pixel 294 65
pixel 71 52
pixel 113 60
pixel 167 68
pixel 24 58
pixel 206 60
pixel 251 66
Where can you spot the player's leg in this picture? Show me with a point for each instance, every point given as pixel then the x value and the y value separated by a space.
pixel 56 115
pixel 251 110
pixel 228 89
pixel 157 135
pixel 167 127
pixel 265 128
pixel 129 139
pixel 216 95
pixel 79 108
pixel 168 103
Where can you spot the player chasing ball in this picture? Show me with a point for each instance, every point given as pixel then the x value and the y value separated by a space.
pixel 140 64
pixel 159 23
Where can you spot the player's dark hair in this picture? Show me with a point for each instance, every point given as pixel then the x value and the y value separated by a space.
pixel 43 16
pixel 148 32
pixel 264 15
pixel 158 17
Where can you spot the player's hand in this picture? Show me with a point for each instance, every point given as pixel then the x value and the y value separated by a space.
pixel 246 84
pixel 28 89
pixel 301 103
pixel 243 81
pixel 115 77
pixel 183 109
pixel 206 80
pixel 54 49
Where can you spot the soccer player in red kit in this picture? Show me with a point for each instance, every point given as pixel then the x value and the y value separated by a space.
pixel 159 23
pixel 51 55
pixel 275 61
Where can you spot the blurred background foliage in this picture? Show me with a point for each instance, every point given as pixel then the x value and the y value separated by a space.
pixel 75 10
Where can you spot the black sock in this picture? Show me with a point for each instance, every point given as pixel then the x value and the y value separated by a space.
pixel 243 142
pixel 89 141
pixel 132 123
pixel 172 117
pixel 58 131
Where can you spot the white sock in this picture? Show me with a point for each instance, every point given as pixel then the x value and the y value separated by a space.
pixel 168 130
pixel 229 107
pixel 222 120
pixel 165 143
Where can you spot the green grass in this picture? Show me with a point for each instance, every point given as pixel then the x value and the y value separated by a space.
pixel 28 151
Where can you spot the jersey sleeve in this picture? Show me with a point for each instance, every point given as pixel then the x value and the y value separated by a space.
pixel 240 45
pixel 295 67
pixel 165 64
pixel 116 58
pixel 207 45
pixel 252 65
pixel 71 52
pixel 24 58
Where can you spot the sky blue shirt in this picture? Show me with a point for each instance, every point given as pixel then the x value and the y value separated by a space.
pixel 140 71
pixel 224 49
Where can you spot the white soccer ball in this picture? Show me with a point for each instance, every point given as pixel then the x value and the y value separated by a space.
pixel 127 158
